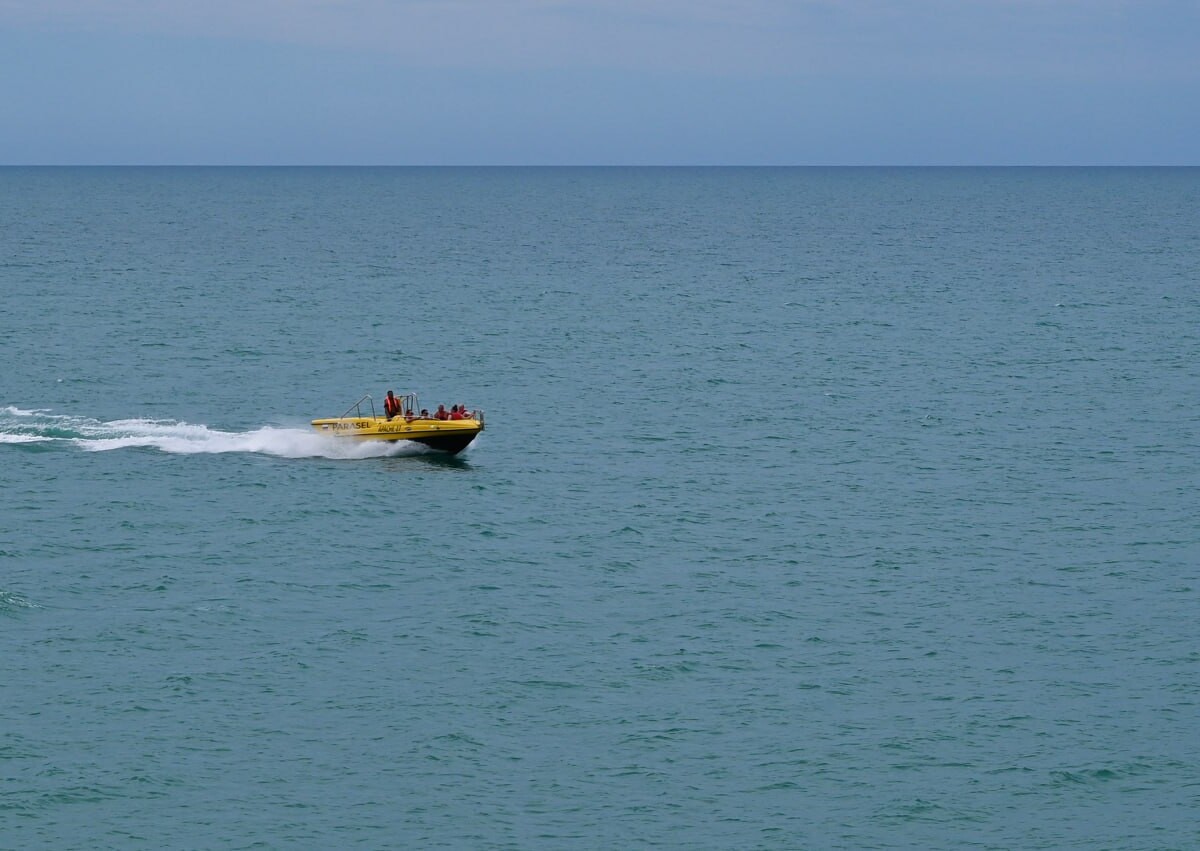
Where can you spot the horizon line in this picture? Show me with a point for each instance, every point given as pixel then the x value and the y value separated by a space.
pixel 603 165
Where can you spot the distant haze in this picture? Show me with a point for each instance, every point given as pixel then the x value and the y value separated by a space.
pixel 600 82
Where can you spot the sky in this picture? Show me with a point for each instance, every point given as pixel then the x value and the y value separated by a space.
pixel 600 82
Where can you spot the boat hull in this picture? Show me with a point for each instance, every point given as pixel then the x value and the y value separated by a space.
pixel 451 436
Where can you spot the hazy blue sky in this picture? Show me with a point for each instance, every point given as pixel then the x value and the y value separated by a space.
pixel 600 81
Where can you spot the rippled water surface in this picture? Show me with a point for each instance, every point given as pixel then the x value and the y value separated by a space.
pixel 815 509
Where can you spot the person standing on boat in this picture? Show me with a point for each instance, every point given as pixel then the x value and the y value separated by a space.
pixel 391 406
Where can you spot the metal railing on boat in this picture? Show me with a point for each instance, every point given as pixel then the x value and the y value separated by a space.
pixel 357 408
pixel 409 404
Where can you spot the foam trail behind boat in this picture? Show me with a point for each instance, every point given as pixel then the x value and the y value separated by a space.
pixel 18 426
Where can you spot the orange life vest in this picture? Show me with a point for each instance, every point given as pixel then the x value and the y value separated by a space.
pixel 391 406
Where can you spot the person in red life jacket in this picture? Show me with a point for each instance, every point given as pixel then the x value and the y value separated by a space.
pixel 455 413
pixel 391 406
pixel 462 409
pixel 441 414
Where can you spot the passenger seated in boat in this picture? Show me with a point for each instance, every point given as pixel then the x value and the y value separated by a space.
pixel 424 414
pixel 441 413
pixel 408 416
pixel 462 409
pixel 455 413
pixel 391 406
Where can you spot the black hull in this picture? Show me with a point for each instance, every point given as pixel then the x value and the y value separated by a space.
pixel 450 443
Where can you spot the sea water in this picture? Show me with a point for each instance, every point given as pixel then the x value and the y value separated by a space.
pixel 816 508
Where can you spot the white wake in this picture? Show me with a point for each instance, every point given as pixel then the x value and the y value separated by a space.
pixel 31 427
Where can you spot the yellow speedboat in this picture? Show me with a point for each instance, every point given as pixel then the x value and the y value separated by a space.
pixel 415 423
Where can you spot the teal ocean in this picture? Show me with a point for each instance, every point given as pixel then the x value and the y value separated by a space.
pixel 816 509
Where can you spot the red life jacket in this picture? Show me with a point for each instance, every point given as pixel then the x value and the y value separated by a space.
pixel 391 406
